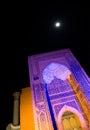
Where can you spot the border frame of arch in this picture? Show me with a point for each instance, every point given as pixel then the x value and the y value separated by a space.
pixel 75 111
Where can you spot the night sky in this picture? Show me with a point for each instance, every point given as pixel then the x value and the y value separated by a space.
pixel 32 31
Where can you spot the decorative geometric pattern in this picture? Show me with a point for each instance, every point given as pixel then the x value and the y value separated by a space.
pixel 71 103
pixel 50 87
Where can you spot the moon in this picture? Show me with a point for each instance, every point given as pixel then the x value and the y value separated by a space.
pixel 57 24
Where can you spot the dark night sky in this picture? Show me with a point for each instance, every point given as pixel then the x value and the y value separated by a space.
pixel 32 32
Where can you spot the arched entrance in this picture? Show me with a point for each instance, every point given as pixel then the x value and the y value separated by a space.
pixel 61 72
pixel 70 119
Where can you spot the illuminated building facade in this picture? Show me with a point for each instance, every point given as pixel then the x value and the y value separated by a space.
pixel 58 97
pixel 60 91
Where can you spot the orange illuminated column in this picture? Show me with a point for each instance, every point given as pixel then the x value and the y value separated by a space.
pixel 26 110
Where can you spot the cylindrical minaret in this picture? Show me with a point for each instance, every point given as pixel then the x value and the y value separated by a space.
pixel 16 108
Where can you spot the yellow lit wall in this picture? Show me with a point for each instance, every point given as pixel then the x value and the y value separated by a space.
pixel 26 110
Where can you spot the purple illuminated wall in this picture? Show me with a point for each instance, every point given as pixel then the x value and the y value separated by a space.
pixel 51 91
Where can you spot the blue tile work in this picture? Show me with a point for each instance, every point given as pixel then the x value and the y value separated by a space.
pixel 79 73
pixel 80 77
pixel 50 108
pixel 60 94
pixel 56 96
pixel 64 99
pixel 58 86
pixel 58 107
pixel 38 93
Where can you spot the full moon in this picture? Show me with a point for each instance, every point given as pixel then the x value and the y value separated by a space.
pixel 57 24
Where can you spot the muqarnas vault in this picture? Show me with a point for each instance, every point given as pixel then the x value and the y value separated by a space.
pixel 60 91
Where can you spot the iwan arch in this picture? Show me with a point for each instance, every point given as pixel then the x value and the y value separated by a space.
pixel 60 91
pixel 62 72
pixel 70 118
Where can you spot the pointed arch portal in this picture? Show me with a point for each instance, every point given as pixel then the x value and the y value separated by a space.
pixel 76 121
